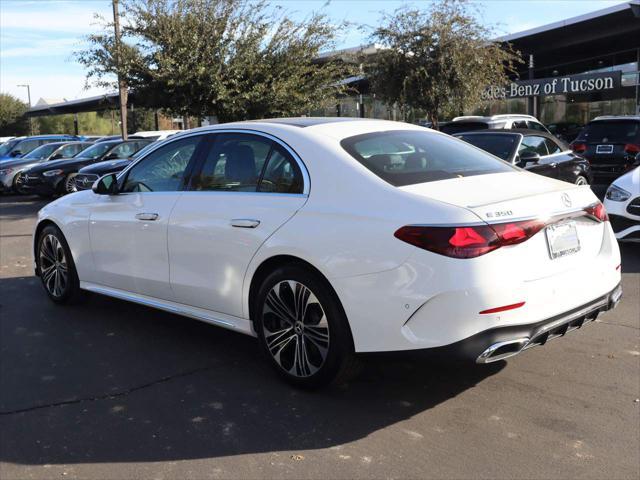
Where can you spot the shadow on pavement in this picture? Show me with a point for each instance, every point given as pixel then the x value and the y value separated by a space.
pixel 108 381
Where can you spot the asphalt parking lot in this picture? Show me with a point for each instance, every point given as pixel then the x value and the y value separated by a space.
pixel 109 389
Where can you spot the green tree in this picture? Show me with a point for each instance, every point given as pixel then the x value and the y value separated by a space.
pixel 13 121
pixel 235 59
pixel 438 60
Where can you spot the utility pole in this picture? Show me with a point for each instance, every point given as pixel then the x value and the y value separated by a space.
pixel 122 84
pixel 29 98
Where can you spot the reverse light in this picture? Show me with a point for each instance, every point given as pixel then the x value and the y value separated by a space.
pixel 468 241
pixel 597 212
pixel 579 147
pixel 53 173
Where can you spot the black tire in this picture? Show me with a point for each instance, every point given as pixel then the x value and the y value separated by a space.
pixel 580 180
pixel 339 362
pixel 15 188
pixel 53 252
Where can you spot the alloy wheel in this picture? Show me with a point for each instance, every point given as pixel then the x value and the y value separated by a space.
pixel 53 266
pixel 295 328
pixel 70 184
pixel 581 181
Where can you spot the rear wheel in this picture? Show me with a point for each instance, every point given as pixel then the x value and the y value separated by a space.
pixel 580 180
pixel 302 328
pixel 56 268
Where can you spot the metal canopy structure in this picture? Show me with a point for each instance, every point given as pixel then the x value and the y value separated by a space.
pixel 90 104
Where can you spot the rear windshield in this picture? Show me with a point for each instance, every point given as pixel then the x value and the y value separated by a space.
pixel 619 131
pixel 409 157
pixel 500 145
pixel 458 127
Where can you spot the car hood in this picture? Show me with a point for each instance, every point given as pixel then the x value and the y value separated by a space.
pixel 20 162
pixel 61 163
pixel 630 181
pixel 109 166
pixel 504 196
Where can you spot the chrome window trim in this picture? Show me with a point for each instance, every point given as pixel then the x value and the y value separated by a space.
pixel 303 168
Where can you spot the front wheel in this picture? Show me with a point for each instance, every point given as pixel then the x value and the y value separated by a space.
pixel 69 185
pixel 56 268
pixel 303 329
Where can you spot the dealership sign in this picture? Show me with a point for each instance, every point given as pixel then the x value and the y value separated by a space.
pixel 571 84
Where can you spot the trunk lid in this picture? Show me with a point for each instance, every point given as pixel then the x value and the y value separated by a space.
pixel 505 197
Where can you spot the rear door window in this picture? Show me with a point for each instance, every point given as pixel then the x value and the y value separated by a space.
pixel 533 143
pixel 408 157
pixel 552 146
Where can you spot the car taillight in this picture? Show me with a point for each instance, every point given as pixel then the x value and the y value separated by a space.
pixel 632 148
pixel 598 212
pixel 579 147
pixel 468 241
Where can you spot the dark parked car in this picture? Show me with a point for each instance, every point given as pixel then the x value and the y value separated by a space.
pixel 88 175
pixel 611 144
pixel 566 131
pixel 20 146
pixel 58 176
pixel 535 151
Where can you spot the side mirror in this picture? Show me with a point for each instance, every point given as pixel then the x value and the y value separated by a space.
pixel 16 153
pixel 529 157
pixel 107 185
pixel 56 156
pixel 638 159
pixel 111 156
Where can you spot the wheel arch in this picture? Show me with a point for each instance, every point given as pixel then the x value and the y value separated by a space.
pixel 272 263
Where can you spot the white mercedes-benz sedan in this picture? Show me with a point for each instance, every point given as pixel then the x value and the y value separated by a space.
pixel 326 237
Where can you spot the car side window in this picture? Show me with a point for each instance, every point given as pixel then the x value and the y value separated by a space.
pixel 124 150
pixel 533 143
pixel 535 126
pixel 520 124
pixel 281 174
pixel 552 146
pixel 162 170
pixel 234 163
pixel 27 145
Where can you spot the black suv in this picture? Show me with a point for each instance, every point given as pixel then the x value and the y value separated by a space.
pixel 611 144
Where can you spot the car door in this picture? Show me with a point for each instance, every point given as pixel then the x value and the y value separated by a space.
pixel 546 166
pixel 246 187
pixel 128 230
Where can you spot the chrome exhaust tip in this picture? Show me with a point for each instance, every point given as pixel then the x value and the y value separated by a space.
pixel 502 350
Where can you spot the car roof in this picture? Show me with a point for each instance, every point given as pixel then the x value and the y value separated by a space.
pixel 304 122
pixel 494 118
pixel 605 118
pixel 44 137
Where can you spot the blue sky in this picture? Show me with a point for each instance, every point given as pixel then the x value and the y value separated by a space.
pixel 38 37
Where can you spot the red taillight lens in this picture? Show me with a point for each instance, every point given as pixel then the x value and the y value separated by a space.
pixel 598 212
pixel 579 147
pixel 470 241
pixel 632 148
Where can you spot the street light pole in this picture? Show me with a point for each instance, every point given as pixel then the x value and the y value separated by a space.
pixel 122 84
pixel 29 97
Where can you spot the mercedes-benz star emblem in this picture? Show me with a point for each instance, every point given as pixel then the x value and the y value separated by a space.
pixel 566 200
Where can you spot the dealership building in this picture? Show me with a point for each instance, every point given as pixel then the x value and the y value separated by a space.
pixel 575 70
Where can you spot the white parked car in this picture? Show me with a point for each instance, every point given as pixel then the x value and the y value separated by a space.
pixel 155 134
pixel 622 201
pixel 325 237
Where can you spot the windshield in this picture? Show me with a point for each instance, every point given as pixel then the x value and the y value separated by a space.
pixel 41 152
pixel 622 131
pixel 5 148
pixel 95 151
pixel 409 157
pixel 502 146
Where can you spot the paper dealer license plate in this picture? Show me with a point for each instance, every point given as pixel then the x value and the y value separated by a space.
pixel 562 239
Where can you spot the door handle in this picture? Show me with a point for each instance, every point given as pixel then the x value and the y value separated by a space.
pixel 244 223
pixel 147 216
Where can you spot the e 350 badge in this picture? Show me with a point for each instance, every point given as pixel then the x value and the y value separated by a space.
pixel 499 214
